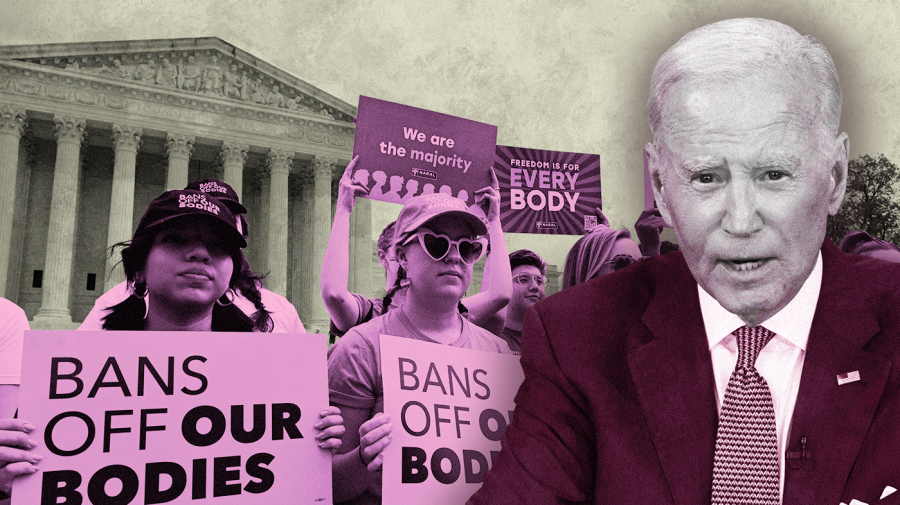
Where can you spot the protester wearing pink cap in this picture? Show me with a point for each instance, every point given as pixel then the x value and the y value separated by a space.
pixel 436 240
pixel 347 309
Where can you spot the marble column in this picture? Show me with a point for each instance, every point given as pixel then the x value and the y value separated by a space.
pixel 312 290
pixel 121 205
pixel 234 154
pixel 61 235
pixel 321 224
pixel 279 162
pixel 12 124
pixel 261 253
pixel 179 147
pixel 295 244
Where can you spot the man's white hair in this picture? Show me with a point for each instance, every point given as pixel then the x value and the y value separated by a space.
pixel 730 50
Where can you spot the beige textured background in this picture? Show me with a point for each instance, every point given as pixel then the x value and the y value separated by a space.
pixel 571 77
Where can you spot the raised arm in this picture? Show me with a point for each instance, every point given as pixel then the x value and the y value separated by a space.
pixel 484 306
pixel 341 305
pixel 648 227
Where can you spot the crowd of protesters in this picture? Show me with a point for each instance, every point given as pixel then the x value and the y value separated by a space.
pixel 185 271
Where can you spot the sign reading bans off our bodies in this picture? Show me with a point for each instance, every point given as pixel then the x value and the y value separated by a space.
pixel 449 407
pixel 547 191
pixel 406 151
pixel 174 417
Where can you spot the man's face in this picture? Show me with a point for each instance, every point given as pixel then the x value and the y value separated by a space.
pixel 747 179
pixel 525 295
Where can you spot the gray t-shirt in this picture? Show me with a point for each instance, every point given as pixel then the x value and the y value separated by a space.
pixel 354 362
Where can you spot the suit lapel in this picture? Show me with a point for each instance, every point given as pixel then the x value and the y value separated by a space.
pixel 674 380
pixel 835 418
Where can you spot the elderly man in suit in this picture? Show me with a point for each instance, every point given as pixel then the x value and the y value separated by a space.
pixel 759 364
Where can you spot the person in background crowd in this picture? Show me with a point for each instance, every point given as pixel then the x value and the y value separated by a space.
pixel 182 266
pixel 15 458
pixel 283 313
pixel 529 273
pixel 602 251
pixel 860 242
pixel 13 324
pixel 351 309
pixel 437 241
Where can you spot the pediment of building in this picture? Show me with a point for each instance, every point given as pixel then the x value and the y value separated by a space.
pixel 192 68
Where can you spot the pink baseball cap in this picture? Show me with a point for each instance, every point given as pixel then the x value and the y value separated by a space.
pixel 423 208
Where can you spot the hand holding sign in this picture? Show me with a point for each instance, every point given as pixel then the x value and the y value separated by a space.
pixel 489 198
pixel 350 189
pixel 374 436
pixel 601 218
pixel 648 227
pixel 330 429
pixel 16 457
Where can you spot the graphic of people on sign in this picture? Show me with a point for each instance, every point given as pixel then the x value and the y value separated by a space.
pixel 463 195
pixel 362 176
pixel 378 189
pixel 447 190
pixel 396 185
pixel 428 189
pixel 412 186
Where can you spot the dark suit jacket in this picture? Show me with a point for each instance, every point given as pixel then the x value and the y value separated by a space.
pixel 618 404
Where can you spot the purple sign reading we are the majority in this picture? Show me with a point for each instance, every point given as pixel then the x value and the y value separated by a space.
pixel 406 151
pixel 547 191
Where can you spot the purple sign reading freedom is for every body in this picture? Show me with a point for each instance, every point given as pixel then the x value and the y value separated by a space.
pixel 405 152
pixel 547 191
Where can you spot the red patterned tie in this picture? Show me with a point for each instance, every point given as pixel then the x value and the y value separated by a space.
pixel 745 470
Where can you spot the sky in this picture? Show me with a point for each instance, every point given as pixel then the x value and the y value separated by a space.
pixel 566 76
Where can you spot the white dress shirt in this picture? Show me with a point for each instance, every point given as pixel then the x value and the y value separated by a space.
pixel 780 362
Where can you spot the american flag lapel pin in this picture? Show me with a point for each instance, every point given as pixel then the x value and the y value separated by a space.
pixel 846 378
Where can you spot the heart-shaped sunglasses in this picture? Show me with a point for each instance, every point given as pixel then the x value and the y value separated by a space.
pixel 438 245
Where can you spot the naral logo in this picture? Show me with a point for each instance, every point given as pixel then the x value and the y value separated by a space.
pixel 427 174
pixel 547 225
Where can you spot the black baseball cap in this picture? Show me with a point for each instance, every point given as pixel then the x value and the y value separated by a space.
pixel 183 202
pixel 221 190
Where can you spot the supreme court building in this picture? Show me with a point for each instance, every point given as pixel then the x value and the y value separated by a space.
pixel 90 133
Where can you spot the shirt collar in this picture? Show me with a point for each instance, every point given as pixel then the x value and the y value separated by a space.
pixel 792 322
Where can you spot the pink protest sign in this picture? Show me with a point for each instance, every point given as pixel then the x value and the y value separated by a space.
pixel 547 191
pixel 406 151
pixel 174 417
pixel 449 407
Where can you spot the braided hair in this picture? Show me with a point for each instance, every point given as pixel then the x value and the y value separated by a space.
pixel 399 284
pixel 129 314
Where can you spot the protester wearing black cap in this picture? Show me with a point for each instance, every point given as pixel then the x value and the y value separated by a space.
pixel 282 312
pixel 182 265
